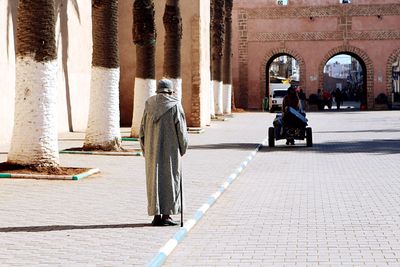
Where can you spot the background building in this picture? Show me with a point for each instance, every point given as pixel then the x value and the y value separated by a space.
pixel 313 32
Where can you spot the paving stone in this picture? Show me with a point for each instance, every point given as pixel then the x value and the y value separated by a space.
pixel 335 201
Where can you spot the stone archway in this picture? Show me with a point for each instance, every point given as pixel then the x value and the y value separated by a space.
pixel 359 55
pixel 273 53
pixel 392 58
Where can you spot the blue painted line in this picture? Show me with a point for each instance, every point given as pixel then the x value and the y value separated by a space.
pixel 158 260
pixel 198 215
pixel 180 234
pixel 232 177
pixel 161 257
pixel 211 201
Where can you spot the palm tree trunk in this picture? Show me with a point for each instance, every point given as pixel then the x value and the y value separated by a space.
pixel 212 105
pixel 217 42
pixel 227 67
pixel 103 123
pixel 144 37
pixel 172 46
pixel 34 138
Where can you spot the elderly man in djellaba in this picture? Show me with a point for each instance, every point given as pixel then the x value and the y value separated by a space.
pixel 163 139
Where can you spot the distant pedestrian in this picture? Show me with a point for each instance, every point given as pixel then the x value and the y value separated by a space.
pixel 338 98
pixel 320 101
pixel 163 139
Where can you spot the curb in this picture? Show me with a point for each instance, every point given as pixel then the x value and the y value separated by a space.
pixel 195 130
pixel 138 153
pixel 166 250
pixel 129 139
pixel 219 118
pixel 50 177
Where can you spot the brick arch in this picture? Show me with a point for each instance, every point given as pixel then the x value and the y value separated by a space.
pixel 392 58
pixel 360 55
pixel 278 51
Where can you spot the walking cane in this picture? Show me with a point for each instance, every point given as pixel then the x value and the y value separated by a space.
pixel 181 202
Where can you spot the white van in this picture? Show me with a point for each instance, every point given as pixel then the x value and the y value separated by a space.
pixel 277 92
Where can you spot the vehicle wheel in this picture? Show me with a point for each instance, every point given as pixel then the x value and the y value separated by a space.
pixel 309 136
pixel 271 136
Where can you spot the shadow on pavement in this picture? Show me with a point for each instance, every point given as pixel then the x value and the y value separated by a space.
pixel 363 131
pixel 382 146
pixel 50 228
pixel 241 146
pixel 374 146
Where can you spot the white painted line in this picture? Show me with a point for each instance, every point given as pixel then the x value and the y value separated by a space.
pixel 189 224
pixel 169 247
pixel 225 185
pixel 204 208
pixel 159 259
pixel 216 195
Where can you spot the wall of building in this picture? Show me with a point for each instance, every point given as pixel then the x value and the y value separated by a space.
pixel 311 30
pixel 7 73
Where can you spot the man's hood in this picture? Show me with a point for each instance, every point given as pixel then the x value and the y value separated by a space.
pixel 160 104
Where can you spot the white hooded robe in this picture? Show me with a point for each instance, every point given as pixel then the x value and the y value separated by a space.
pixel 163 139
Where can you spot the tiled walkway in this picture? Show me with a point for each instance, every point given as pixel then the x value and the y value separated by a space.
pixel 337 203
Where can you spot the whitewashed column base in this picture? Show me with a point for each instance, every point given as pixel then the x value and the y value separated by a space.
pixel 103 131
pixel 177 86
pixel 144 88
pixel 34 139
pixel 212 107
pixel 218 103
pixel 227 89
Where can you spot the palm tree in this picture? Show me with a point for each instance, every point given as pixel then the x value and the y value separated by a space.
pixel 144 37
pixel 217 43
pixel 172 45
pixel 34 138
pixel 227 68
pixel 103 124
pixel 212 105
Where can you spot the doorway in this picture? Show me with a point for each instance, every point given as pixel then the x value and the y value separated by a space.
pixel 282 70
pixel 344 83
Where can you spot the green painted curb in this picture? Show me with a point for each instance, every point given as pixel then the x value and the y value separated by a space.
pixel 76 152
pixel 106 153
pixel 129 139
pixel 56 177
pixel 85 174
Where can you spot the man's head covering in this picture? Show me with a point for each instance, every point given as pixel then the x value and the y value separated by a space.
pixel 164 86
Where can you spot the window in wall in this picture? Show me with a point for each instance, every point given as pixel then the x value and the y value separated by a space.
pixel 345 1
pixel 282 2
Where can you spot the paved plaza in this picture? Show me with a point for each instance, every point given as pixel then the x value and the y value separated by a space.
pixel 334 204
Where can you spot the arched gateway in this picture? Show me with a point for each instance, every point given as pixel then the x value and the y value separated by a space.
pixel 366 64
pixel 269 57
pixel 394 59
pixel 367 30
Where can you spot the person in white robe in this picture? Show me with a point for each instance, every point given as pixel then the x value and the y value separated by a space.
pixel 163 140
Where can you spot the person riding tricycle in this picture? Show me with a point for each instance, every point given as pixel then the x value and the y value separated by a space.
pixel 291 124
